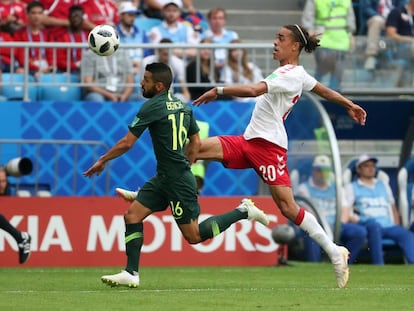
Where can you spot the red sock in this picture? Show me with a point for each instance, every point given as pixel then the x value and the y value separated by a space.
pixel 300 216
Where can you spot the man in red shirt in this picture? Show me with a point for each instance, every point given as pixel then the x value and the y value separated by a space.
pixel 12 16
pixel 5 52
pixel 73 34
pixel 33 32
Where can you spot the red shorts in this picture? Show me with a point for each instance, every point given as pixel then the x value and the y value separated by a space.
pixel 267 159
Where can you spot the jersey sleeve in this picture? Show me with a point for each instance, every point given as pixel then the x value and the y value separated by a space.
pixel 309 82
pixel 142 120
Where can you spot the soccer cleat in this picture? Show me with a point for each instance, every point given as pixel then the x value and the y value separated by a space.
pixel 123 278
pixel 24 248
pixel 127 195
pixel 253 213
pixel 341 268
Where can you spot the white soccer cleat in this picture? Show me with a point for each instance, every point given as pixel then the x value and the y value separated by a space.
pixel 123 278
pixel 253 213
pixel 127 195
pixel 341 268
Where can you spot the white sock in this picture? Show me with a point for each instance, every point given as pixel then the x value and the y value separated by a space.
pixel 314 229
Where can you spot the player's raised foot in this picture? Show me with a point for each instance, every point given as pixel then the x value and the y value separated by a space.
pixel 253 213
pixel 340 264
pixel 24 248
pixel 127 195
pixel 123 278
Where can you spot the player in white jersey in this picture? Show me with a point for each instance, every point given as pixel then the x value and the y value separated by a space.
pixel 263 146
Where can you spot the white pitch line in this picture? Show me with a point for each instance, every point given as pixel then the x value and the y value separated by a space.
pixel 379 289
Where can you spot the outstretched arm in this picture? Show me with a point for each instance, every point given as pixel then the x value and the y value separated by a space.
pixel 122 146
pixel 249 90
pixel 356 112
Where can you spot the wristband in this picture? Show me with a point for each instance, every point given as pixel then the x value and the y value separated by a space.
pixel 220 90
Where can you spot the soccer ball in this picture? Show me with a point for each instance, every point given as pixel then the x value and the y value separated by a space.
pixel 283 234
pixel 103 40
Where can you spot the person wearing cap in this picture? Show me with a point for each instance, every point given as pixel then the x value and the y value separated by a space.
pixel 174 29
pixel 129 33
pixel 320 189
pixel 369 201
pixel 153 8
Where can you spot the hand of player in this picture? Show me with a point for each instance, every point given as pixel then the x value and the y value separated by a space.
pixel 97 169
pixel 358 114
pixel 206 97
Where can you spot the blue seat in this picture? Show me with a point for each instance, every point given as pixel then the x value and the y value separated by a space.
pixel 56 87
pixel 12 86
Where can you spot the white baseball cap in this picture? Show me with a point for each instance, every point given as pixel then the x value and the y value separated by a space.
pixel 127 7
pixel 178 3
pixel 364 158
pixel 321 161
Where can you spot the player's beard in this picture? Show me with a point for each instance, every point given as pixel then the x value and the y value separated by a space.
pixel 149 93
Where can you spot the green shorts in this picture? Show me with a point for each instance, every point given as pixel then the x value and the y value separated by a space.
pixel 180 194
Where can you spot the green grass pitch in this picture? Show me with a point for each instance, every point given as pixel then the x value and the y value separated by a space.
pixel 302 286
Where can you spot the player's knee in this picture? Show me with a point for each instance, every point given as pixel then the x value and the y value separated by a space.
pixel 192 238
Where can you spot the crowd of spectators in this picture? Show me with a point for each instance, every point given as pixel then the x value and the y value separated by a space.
pixel 102 78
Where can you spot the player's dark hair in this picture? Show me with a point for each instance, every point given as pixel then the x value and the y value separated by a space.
pixel 34 4
pixel 160 73
pixel 301 35
pixel 75 8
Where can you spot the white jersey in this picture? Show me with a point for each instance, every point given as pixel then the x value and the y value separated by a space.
pixel 284 87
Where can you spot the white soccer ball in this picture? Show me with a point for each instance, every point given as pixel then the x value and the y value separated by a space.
pixel 103 40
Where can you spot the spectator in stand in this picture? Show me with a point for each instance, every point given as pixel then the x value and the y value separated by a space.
pixel 370 203
pixel 33 32
pixel 109 78
pixel 238 70
pixel 22 238
pixel 177 66
pixel 201 70
pixel 56 16
pixel 74 34
pixel 153 8
pixel 99 12
pixel 375 13
pixel 130 34
pixel 219 34
pixel 12 16
pixel 175 30
pixel 335 20
pixel 5 53
pixel 400 28
pixel 320 189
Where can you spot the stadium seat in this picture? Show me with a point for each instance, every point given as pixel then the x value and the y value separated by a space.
pixel 405 183
pixel 12 86
pixel 61 91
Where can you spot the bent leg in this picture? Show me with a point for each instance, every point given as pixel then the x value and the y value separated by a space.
pixel 283 196
pixel 8 227
pixel 195 233
pixel 134 236
pixel 210 149
pixel 374 235
pixel 404 239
